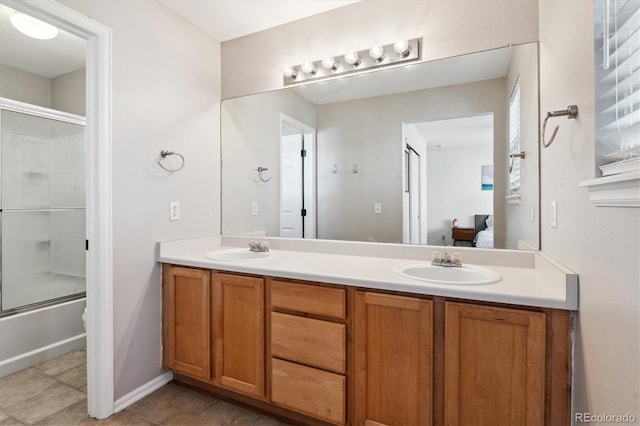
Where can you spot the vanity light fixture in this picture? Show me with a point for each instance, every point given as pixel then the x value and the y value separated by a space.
pixel 352 58
pixel 402 48
pixel 33 27
pixel 354 61
pixel 309 68
pixel 289 72
pixel 377 53
pixel 330 63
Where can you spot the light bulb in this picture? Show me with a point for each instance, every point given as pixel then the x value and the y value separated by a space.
pixel 289 72
pixel 33 27
pixel 308 68
pixel 329 63
pixel 401 47
pixel 377 53
pixel 352 58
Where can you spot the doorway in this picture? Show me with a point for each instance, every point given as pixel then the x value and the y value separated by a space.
pixel 99 264
pixel 297 209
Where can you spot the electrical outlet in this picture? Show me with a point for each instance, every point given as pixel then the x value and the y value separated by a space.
pixel 377 208
pixel 554 214
pixel 174 210
pixel 254 209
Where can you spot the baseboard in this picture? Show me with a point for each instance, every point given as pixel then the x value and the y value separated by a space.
pixel 144 390
pixel 40 355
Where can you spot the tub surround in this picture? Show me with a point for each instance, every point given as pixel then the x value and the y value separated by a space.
pixel 528 278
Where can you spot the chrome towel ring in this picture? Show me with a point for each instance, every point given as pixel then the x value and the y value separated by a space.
pixel 261 170
pixel 570 112
pixel 164 154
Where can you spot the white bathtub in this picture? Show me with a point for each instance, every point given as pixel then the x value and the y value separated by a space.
pixel 32 337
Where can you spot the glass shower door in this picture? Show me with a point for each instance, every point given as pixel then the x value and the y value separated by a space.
pixel 43 209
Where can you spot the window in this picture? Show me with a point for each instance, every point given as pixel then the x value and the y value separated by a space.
pixel 617 65
pixel 514 140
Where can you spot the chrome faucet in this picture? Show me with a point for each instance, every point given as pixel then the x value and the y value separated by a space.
pixel 258 246
pixel 453 261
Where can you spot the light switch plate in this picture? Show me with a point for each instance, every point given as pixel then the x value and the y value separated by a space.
pixel 254 209
pixel 554 214
pixel 377 208
pixel 174 210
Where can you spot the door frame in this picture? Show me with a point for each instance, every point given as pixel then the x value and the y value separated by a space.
pixel 99 256
pixel 310 202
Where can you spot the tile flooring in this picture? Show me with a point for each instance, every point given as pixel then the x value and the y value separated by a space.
pixel 54 393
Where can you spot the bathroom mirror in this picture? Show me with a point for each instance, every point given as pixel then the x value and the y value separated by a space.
pixel 395 155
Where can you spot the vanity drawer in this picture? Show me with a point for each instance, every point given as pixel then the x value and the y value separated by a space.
pixel 307 298
pixel 309 341
pixel 310 391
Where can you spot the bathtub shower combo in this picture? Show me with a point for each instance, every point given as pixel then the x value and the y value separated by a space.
pixel 42 217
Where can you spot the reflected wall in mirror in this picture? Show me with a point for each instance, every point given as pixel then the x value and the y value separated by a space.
pixel 391 156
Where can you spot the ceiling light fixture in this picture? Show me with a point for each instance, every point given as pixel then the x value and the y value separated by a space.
pixel 33 27
pixel 354 61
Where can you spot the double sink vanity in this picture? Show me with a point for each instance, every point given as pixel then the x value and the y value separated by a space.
pixel 338 332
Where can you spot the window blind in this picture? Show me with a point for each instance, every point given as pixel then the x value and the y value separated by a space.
pixel 514 139
pixel 617 56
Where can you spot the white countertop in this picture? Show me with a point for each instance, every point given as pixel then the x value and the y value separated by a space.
pixel 535 280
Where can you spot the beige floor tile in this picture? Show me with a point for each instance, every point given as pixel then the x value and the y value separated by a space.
pixel 75 414
pixel 23 385
pixel 168 402
pixel 224 413
pixel 63 363
pixel 10 421
pixel 122 418
pixel 76 377
pixel 43 405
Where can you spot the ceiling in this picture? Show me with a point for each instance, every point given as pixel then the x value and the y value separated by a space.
pixel 222 19
pixel 228 19
pixel 47 58
pixel 454 133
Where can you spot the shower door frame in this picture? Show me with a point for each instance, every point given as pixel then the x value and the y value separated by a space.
pixel 100 366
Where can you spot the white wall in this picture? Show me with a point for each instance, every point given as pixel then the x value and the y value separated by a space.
pixel 454 187
pixel 25 87
pixel 523 68
pixel 251 131
pixel 368 132
pixel 68 92
pixel 254 63
pixel 601 244
pixel 166 93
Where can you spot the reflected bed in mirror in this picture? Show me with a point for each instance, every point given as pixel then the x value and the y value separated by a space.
pixel 391 156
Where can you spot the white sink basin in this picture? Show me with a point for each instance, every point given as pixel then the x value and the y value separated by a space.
pixel 465 275
pixel 237 254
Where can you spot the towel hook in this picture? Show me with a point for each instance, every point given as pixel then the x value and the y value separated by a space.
pixel 164 154
pixel 261 176
pixel 570 112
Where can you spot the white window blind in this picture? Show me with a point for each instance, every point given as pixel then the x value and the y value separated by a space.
pixel 617 57
pixel 514 139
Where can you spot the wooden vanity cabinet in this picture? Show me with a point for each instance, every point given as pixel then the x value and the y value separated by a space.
pixel 238 329
pixel 494 365
pixel 186 321
pixel 308 348
pixel 393 360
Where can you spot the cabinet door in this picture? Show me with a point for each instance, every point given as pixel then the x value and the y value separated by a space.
pixel 393 360
pixel 238 305
pixel 186 321
pixel 494 366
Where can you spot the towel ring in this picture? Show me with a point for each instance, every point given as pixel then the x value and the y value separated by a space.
pixel 164 154
pixel 570 112
pixel 261 176
pixel 520 154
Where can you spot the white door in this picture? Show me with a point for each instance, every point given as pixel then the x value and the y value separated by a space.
pixel 414 196
pixel 291 190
